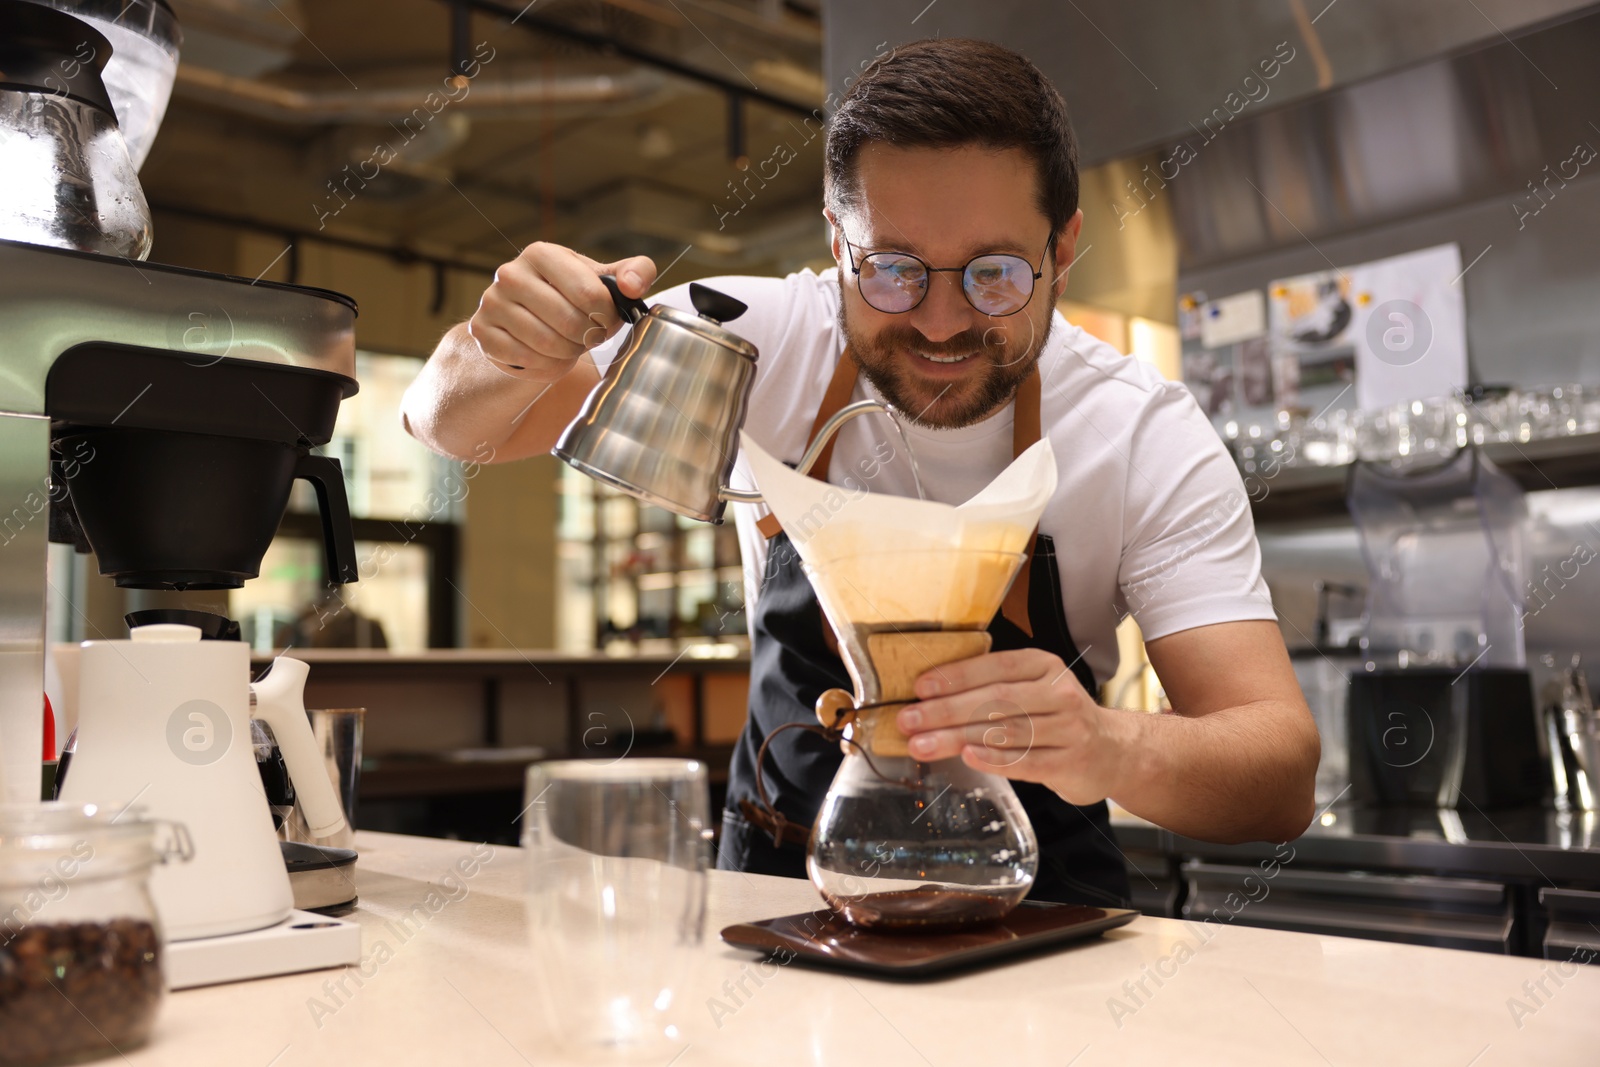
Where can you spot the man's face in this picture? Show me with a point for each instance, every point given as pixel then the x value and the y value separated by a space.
pixel 946 206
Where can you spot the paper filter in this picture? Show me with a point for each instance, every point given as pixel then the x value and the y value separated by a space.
pixel 877 560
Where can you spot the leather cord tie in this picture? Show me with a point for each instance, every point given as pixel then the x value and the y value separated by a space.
pixel 786 831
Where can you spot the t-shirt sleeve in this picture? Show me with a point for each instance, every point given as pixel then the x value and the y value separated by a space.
pixel 1190 556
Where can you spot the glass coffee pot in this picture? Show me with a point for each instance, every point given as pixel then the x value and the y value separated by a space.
pixel 900 843
pixel 66 179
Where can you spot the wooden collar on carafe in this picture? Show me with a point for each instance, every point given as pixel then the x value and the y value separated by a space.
pixel 1025 430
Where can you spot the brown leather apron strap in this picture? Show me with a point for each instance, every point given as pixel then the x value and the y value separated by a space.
pixel 1025 432
pixel 840 388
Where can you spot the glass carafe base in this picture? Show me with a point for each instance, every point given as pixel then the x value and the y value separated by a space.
pixel 938 846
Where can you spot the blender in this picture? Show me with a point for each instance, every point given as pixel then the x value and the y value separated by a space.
pixel 1442 713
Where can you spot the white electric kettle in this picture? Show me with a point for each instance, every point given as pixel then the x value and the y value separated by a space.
pixel 164 723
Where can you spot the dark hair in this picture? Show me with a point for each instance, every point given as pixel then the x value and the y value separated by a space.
pixel 949 92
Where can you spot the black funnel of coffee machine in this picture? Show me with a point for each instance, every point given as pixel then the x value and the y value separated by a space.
pixel 184 488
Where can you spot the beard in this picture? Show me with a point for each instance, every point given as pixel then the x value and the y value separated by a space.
pixel 994 370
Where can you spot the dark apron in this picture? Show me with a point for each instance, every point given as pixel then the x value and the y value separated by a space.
pixel 794 659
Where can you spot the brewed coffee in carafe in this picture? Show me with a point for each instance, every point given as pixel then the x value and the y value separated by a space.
pixel 908 586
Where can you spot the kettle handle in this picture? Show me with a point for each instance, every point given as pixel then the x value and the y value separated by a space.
pixel 280 703
pixel 338 538
pixel 630 309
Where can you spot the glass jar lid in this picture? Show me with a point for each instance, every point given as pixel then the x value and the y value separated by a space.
pixel 121 839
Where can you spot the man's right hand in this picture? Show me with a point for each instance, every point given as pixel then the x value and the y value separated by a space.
pixel 547 307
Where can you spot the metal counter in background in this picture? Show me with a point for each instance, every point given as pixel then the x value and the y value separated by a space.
pixel 1513 882
pixel 1563 528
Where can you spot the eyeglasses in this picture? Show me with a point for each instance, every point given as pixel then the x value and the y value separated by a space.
pixel 995 284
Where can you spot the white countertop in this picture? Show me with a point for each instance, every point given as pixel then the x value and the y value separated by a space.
pixel 457 991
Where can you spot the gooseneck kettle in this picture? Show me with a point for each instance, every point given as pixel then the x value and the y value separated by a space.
pixel 663 424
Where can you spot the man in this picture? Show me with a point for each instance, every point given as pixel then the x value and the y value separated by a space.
pixel 951 198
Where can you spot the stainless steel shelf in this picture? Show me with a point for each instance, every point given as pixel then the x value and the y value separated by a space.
pixel 1298 493
pixel 1536 845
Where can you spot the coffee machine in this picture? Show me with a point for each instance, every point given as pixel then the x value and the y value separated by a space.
pixel 152 414
pixel 157 417
pixel 1441 710
pixel 160 417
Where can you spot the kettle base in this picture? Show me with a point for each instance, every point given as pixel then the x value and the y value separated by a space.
pixel 302 942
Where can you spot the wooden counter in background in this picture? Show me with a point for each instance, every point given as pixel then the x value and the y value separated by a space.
pixel 464 722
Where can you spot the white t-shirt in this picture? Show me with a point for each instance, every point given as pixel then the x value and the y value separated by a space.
pixel 1149 516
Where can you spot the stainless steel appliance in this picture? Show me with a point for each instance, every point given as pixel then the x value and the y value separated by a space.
pixel 1442 712
pixel 98 343
pixel 157 417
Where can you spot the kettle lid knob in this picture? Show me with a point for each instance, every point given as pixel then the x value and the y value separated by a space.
pixel 714 305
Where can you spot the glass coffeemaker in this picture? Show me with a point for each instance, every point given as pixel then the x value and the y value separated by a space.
pixel 898 842
pixel 908 586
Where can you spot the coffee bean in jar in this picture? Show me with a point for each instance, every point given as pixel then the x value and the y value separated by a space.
pixel 77 991
pixel 81 950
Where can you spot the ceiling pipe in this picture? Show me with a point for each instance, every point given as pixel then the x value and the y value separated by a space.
pixel 284 103
pixel 610 46
pixel 402 255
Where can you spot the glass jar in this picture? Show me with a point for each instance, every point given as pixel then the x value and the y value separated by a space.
pixel 80 945
pixel 1377 436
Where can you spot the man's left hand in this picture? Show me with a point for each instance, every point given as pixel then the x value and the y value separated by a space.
pixel 1022 714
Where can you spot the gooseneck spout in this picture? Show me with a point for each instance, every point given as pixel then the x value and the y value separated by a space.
pixel 826 434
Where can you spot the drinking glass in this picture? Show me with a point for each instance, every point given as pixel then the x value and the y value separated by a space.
pixel 1328 440
pixel 1492 413
pixel 1435 426
pixel 615 857
pixel 1587 401
pixel 1538 414
pixel 338 733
